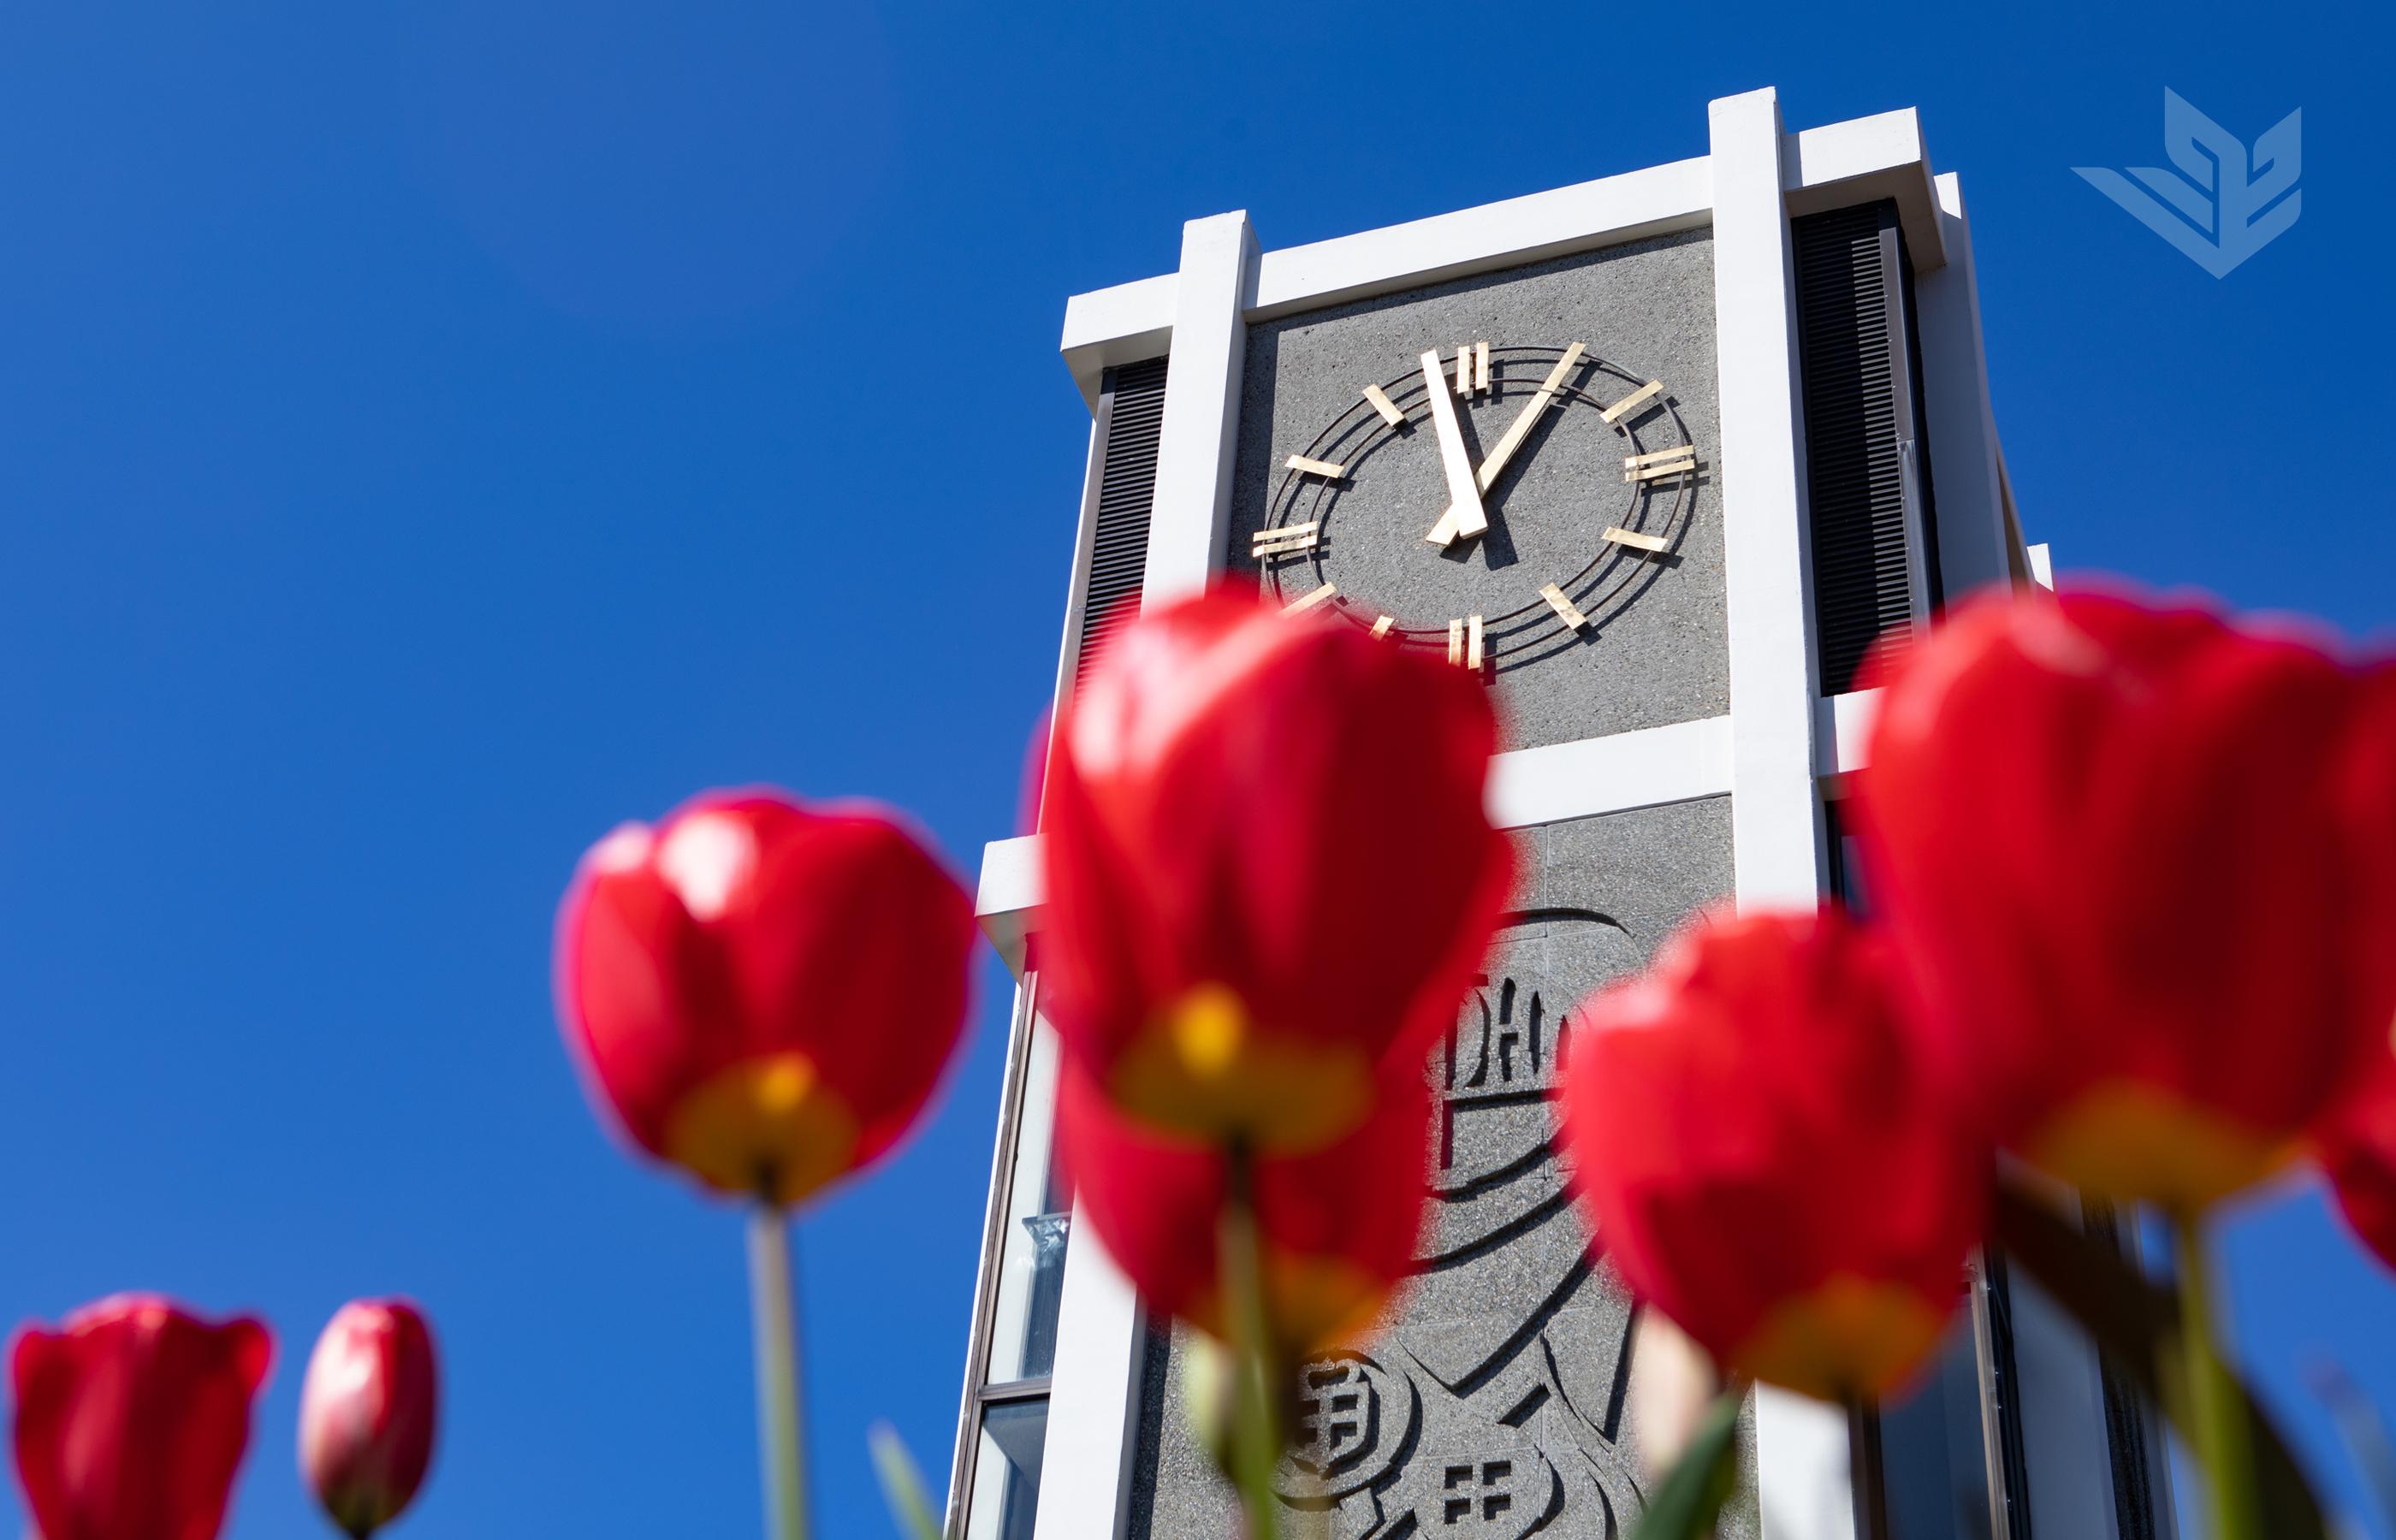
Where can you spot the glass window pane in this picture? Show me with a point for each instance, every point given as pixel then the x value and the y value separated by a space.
pixel 1933 1453
pixel 1006 1470
pixel 1032 1255
pixel 1852 891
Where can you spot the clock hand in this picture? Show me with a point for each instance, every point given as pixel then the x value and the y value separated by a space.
pixel 1448 529
pixel 1520 430
pixel 1463 492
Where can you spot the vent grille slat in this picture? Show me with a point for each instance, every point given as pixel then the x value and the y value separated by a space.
pixel 1126 496
pixel 1856 396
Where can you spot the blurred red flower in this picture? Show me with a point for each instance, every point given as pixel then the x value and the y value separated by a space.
pixel 132 1418
pixel 763 993
pixel 2358 1154
pixel 1754 1147
pixel 2366 794
pixel 1336 1227
pixel 368 1412
pixel 1269 869
pixel 2109 839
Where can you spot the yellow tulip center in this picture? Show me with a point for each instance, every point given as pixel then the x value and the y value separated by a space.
pixel 1204 1069
pixel 767 1125
pixel 1850 1335
pixel 2131 1141
pixel 1311 1302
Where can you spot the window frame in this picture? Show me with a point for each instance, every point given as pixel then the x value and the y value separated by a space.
pixel 979 1393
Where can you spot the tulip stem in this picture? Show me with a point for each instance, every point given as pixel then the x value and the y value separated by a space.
pixel 781 1438
pixel 1256 1436
pixel 2225 1446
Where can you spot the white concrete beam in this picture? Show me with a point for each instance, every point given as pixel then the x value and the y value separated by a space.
pixel 1972 540
pixel 1864 160
pixel 1007 901
pixel 1093 1397
pixel 1133 321
pixel 1841 163
pixel 1507 233
pixel 1803 1475
pixel 1646 768
pixel 1615 774
pixel 1201 431
pixel 1842 731
pixel 1776 823
pixel 1123 325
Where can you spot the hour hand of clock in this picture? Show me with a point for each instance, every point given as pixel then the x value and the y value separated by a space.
pixel 1450 527
pixel 1463 492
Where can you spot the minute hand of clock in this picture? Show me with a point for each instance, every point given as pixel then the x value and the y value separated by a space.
pixel 1450 527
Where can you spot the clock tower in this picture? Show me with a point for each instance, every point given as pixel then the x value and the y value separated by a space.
pixel 1656 457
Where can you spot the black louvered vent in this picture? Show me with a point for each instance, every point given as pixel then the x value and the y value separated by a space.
pixel 1131 415
pixel 1859 376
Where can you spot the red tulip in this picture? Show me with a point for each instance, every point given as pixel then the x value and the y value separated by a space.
pixel 2112 842
pixel 1268 869
pixel 763 993
pixel 368 1412
pixel 132 1418
pixel 1336 1227
pixel 2357 1155
pixel 2366 793
pixel 1756 1150
pixel 2357 1140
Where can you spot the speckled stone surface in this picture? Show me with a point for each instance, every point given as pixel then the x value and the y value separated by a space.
pixel 1656 652
pixel 1493 1400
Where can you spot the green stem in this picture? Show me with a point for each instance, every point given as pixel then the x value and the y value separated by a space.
pixel 2217 1411
pixel 781 1439
pixel 1256 1436
pixel 902 1484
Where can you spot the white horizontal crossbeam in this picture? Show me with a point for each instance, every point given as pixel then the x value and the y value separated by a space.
pixel 1829 167
pixel 1132 321
pixel 1648 768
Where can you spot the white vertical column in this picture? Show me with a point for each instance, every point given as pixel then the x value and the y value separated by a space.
pixel 1094 1397
pixel 1776 823
pixel 1972 540
pixel 1805 1488
pixel 1200 435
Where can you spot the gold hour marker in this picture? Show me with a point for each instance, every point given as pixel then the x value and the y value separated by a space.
pixel 1287 541
pixel 1480 368
pixel 1472 643
pixel 1660 462
pixel 1464 368
pixel 1615 412
pixel 1381 627
pixel 1325 469
pixel 1318 596
pixel 1637 541
pixel 1383 405
pixel 1455 641
pixel 1566 609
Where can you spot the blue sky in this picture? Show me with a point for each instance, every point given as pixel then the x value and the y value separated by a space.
pixel 432 433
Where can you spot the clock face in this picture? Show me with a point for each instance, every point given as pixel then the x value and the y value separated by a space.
pixel 1516 495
